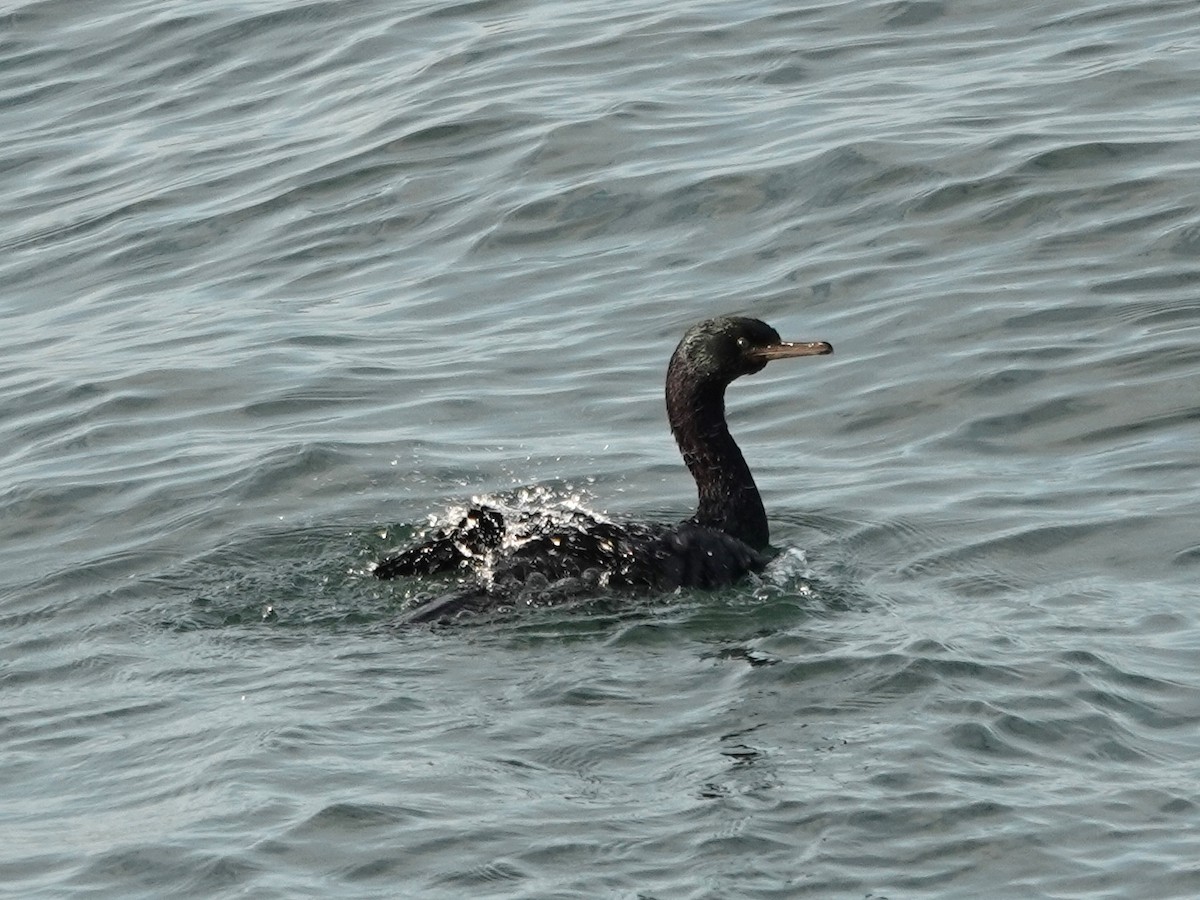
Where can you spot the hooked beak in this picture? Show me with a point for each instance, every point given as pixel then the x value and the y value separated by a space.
pixel 788 349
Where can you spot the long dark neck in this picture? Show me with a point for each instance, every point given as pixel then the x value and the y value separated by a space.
pixel 729 499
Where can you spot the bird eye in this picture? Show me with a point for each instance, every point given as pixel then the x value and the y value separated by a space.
pixel 743 343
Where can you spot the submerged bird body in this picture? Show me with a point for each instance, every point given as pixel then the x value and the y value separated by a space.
pixel 724 540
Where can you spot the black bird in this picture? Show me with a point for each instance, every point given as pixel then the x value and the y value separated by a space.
pixel 726 538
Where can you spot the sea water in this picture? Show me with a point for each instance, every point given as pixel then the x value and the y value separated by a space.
pixel 281 283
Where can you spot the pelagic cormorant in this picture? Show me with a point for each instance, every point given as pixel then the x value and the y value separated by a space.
pixel 725 538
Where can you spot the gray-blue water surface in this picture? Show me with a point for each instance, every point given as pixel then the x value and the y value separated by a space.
pixel 280 282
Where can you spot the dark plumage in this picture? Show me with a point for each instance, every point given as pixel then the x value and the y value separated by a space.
pixel 726 538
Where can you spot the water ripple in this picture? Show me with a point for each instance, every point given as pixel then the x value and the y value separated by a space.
pixel 283 282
